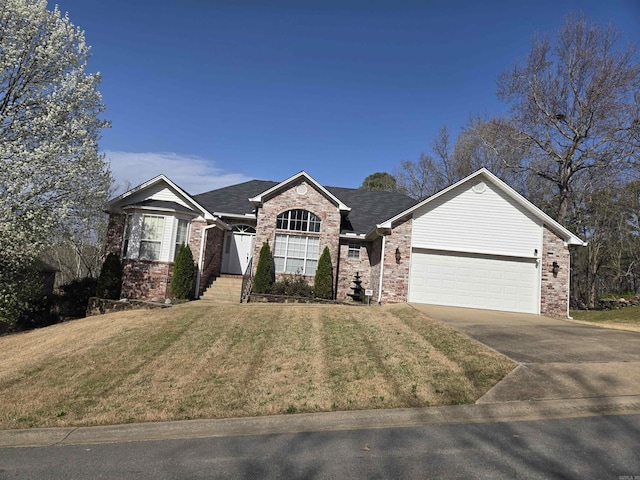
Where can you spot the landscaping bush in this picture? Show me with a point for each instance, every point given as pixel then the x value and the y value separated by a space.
pixel 182 281
pixel 323 281
pixel 292 286
pixel 74 297
pixel 110 280
pixel 265 273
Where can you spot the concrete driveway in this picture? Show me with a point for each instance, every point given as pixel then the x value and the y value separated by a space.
pixel 557 359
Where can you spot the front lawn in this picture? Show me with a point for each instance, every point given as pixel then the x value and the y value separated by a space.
pixel 626 316
pixel 216 361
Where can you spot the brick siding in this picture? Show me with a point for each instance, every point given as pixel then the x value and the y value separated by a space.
pixel 146 280
pixel 554 288
pixel 348 268
pixel 290 199
pixel 212 264
pixel 395 283
pixel 115 234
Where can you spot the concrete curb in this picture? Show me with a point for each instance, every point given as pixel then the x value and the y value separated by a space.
pixel 329 421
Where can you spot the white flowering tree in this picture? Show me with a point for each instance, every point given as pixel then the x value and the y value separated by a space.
pixel 50 124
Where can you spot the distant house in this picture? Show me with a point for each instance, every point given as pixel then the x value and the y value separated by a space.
pixel 475 244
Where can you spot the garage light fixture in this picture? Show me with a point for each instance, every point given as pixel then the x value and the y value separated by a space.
pixel 398 255
pixel 555 268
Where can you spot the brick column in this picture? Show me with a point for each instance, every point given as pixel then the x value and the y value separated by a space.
pixel 554 288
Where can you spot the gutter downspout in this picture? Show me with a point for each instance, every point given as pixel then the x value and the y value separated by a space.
pixel 384 237
pixel 201 259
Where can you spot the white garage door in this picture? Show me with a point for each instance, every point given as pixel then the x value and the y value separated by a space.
pixel 476 281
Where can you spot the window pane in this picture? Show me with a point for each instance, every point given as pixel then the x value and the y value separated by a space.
pixel 280 247
pixel 150 250
pixel 279 261
pixel 298 220
pixel 152 228
pixel 354 250
pixel 151 237
pixel 312 265
pixel 295 265
pixel 181 234
pixel 314 223
pixel 313 249
pixel 296 246
pixel 282 222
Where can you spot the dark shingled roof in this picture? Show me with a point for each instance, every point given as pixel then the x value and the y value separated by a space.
pixel 234 198
pixel 368 208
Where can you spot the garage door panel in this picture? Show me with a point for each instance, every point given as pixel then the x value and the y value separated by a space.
pixel 467 280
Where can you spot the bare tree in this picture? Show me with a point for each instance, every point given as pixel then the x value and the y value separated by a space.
pixel 576 105
pixel 430 174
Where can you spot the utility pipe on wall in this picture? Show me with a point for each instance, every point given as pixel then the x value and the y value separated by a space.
pixel 384 237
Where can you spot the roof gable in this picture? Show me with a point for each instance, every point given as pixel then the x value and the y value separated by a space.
pixel 158 192
pixel 485 175
pixel 296 179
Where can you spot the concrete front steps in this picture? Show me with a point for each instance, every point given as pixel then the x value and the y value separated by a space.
pixel 224 289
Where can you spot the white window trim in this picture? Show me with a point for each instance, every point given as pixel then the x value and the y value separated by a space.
pixel 142 239
pixel 312 219
pixel 353 250
pixel 174 235
pixel 133 240
pixel 305 259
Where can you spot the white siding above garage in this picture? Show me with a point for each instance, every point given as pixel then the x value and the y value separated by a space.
pixel 477 218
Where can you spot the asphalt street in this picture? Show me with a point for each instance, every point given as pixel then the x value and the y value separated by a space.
pixel 602 447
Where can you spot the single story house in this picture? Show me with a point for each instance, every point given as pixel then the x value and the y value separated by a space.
pixel 477 243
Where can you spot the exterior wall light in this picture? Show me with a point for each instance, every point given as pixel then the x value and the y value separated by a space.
pixel 398 257
pixel 555 268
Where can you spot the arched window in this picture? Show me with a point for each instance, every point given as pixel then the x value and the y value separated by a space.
pixel 298 220
pixel 297 253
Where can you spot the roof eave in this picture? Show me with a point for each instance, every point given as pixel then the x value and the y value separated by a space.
pixel 567 236
pixel 111 204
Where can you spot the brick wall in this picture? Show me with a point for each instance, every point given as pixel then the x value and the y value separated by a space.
pixel 374 251
pixel 395 283
pixel 146 280
pixel 290 199
pixel 348 268
pixel 554 294
pixel 212 263
pixel 115 233
pixel 195 237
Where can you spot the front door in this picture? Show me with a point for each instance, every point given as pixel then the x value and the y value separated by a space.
pixel 238 249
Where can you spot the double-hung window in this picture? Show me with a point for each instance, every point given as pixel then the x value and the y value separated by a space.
pixel 151 237
pixel 297 252
pixel 354 250
pixel 182 233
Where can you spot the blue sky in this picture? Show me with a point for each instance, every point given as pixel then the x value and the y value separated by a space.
pixel 216 92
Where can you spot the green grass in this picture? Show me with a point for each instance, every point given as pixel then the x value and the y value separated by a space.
pixel 625 315
pixel 220 361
